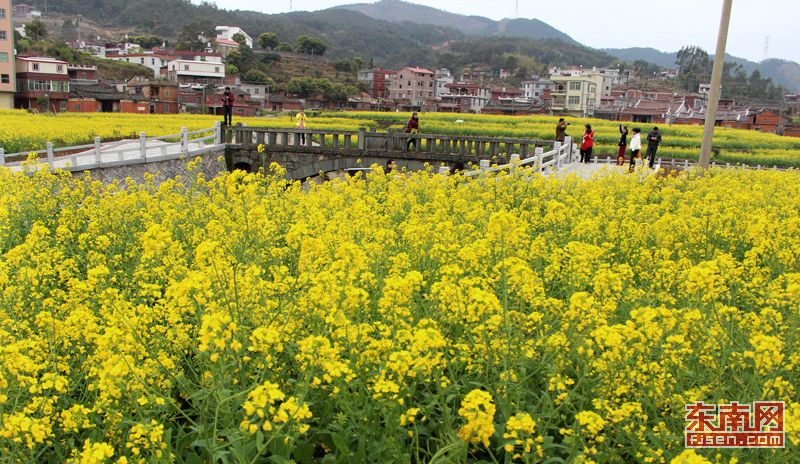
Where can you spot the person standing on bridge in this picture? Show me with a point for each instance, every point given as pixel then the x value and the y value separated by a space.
pixel 636 147
pixel 623 142
pixel 300 123
pixel 227 107
pixel 561 130
pixel 412 128
pixel 653 139
pixel 587 144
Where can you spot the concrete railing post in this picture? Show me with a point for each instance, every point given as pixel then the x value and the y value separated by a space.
pixel 50 153
pixel 184 139
pixel 443 170
pixel 557 148
pixel 568 144
pixel 390 140
pixel 362 138
pixel 2 156
pixel 485 166
pixel 142 145
pixel 98 155
pixel 217 132
pixel 539 154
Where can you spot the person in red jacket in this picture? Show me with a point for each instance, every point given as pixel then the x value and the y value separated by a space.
pixel 227 107
pixel 587 144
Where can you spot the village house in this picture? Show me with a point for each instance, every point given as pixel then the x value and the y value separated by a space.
pixel 8 84
pixel 412 84
pixel 151 61
pixel 534 88
pixel 377 80
pixel 42 83
pixel 464 98
pixel 512 107
pixel 91 98
pixel 195 73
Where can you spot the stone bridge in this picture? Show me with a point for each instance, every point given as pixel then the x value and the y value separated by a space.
pixel 327 151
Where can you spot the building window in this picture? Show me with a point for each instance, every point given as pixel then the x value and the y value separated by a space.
pixel 60 68
pixel 35 66
pixel 2 13
pixel 379 75
pixel 3 35
pixel 166 92
pixel 63 106
pixel 4 57
pixel 166 109
pixel 575 101
pixel 186 67
pixel 76 107
pixel 574 85
pixel 466 101
pixel 430 94
pixel 5 79
pixel 216 68
pixel 409 82
pixel 255 90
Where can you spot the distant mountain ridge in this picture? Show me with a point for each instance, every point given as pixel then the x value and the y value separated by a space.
pixel 398 10
pixel 781 71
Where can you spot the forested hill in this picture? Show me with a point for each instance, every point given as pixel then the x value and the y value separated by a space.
pixel 782 72
pixel 398 11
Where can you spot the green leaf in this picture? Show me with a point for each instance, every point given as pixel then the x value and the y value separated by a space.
pixel 304 454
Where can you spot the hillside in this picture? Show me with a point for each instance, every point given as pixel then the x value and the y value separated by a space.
pixel 398 10
pixel 782 72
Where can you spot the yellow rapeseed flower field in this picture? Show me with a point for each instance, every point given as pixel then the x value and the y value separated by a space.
pixel 405 319
pixel 25 132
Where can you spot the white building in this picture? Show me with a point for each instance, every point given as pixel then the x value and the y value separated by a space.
pixel 187 72
pixel 441 78
pixel 534 89
pixel 148 60
pixel 227 33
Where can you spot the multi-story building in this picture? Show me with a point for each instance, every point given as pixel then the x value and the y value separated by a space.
pixel 227 33
pixel 42 83
pixel 155 63
pixel 413 84
pixel 377 81
pixel 82 74
pixel 7 77
pixel 442 77
pixel 463 98
pixel 534 89
pixel 195 73
pixel 578 95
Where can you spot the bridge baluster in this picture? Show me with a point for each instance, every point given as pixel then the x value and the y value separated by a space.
pixel 322 140
pixel 348 144
pixel 523 150
pixel 284 139
pixel 431 145
pixel 271 138
pixel 335 141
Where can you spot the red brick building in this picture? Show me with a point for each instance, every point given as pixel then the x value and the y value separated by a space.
pixel 42 83
pixel 377 81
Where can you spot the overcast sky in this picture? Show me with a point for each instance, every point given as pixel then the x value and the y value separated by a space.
pixel 665 25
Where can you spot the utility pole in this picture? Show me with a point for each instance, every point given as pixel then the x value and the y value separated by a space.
pixel 716 83
pixel 78 20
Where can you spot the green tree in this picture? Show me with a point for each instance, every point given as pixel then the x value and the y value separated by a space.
pixel 234 58
pixel 268 40
pixel 359 64
pixel 68 29
pixel 153 41
pixel 285 47
pixel 231 69
pixel 255 76
pixel 36 31
pixel 311 45
pixel 190 37
pixel 239 37
pixel 511 63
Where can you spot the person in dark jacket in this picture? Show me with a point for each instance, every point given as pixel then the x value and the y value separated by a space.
pixel 227 107
pixel 561 130
pixel 412 128
pixel 653 139
pixel 458 168
pixel 623 143
pixel 391 164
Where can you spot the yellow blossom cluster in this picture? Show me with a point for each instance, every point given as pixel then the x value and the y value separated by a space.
pixel 414 318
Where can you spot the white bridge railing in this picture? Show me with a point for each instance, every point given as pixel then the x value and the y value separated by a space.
pixel 122 152
pixel 541 161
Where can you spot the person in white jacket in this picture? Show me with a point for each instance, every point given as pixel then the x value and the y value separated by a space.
pixel 636 147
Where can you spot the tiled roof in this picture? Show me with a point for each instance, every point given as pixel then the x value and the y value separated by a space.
pixel 97 91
